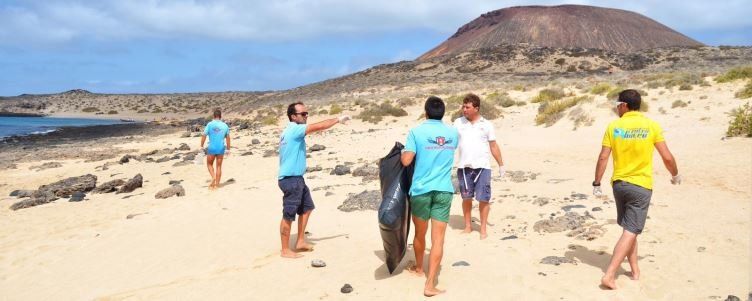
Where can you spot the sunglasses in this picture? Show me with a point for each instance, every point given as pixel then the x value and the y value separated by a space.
pixel 304 114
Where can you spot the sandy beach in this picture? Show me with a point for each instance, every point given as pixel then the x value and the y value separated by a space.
pixel 224 244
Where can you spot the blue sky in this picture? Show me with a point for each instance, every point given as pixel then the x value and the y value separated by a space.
pixel 152 46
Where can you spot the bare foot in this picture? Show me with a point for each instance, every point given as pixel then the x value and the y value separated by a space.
pixel 634 275
pixel 289 254
pixel 303 247
pixel 432 291
pixel 609 283
pixel 413 269
pixel 212 187
pixel 467 230
pixel 483 235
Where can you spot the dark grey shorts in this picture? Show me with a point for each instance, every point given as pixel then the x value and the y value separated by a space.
pixel 632 204
pixel 475 183
pixel 296 199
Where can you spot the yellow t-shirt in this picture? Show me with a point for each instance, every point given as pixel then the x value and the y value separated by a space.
pixel 632 139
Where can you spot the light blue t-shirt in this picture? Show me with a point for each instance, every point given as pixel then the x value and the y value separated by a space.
pixel 292 151
pixel 216 130
pixel 434 144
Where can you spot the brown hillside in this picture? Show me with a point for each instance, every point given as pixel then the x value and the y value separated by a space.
pixel 562 26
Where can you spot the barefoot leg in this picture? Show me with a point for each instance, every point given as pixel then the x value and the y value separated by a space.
pixel 467 208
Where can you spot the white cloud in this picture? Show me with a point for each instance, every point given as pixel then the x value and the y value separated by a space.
pixel 57 21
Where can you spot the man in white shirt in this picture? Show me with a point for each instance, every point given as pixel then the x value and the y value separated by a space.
pixel 477 143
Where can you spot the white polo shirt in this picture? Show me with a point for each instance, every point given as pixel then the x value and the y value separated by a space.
pixel 474 151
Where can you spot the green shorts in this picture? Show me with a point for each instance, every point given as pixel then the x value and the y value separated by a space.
pixel 434 204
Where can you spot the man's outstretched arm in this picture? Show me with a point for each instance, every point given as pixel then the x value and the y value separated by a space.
pixel 326 124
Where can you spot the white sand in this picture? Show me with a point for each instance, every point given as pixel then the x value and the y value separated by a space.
pixel 224 245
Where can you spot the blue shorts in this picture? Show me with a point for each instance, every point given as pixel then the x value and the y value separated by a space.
pixel 475 183
pixel 297 197
pixel 215 151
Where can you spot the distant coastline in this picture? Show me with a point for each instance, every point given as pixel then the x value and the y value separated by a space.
pixel 13 114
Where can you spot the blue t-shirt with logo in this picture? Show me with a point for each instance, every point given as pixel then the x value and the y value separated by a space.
pixel 216 130
pixel 434 144
pixel 292 151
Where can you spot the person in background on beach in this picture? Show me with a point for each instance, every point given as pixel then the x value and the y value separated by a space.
pixel 632 138
pixel 477 144
pixel 219 146
pixel 296 199
pixel 431 144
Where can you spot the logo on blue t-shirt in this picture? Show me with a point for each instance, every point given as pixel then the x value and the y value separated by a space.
pixel 440 141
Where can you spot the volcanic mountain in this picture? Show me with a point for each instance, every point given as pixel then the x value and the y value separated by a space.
pixel 563 26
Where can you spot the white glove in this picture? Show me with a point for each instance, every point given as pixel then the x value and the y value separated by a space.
pixel 343 119
pixel 227 152
pixel 502 171
pixel 676 180
pixel 597 191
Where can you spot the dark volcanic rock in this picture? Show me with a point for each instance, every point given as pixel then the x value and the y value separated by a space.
pixel 340 170
pixel 110 186
pixel 64 188
pixel 569 221
pixel 174 190
pixel 316 148
pixel 22 193
pixel 366 200
pixel 132 184
pixel 184 147
pixel 346 289
pixel 38 198
pixel 555 260
pixel 255 141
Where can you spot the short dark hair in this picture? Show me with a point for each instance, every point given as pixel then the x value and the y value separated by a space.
pixel 435 108
pixel 632 98
pixel 472 98
pixel 291 109
pixel 217 113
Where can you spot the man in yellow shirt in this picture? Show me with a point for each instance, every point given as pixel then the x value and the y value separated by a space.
pixel 631 138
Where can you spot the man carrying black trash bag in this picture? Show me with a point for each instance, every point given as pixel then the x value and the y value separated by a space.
pixel 432 145
pixel 394 221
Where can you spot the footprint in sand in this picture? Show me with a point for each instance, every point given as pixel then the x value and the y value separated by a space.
pixel 263 261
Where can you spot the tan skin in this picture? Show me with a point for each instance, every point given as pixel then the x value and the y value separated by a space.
pixel 215 172
pixel 284 226
pixel 626 246
pixel 438 231
pixel 472 113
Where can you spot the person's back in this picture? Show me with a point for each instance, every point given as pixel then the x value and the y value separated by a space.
pixel 216 130
pixel 632 139
pixel 434 144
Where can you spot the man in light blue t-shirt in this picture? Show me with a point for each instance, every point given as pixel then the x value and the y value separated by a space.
pixel 292 165
pixel 219 146
pixel 431 145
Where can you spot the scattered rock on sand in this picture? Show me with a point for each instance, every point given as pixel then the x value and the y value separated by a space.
pixel 175 182
pixel 732 298
pixel 519 176
pixel 366 200
pixel 318 263
pixel 185 135
pixel 255 141
pixel 340 170
pixel 596 209
pixel 77 196
pixel 541 201
pixel 316 148
pixel 701 249
pixel 110 186
pixel 346 289
pixel 555 260
pixel 369 173
pixel 174 190
pixel 64 188
pixel 38 198
pixel 271 153
pixel 569 221
pixel 509 237
pixel 132 184
pixel 315 168
pixel 184 147
pixel 22 193
pixel 461 263
pixel 248 153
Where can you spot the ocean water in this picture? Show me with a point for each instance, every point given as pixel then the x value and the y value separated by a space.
pixel 20 126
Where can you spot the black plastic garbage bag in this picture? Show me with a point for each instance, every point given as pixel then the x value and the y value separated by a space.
pixel 394 211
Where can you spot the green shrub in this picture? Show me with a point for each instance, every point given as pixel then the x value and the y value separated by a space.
pixel 678 104
pixel 685 87
pixel 742 72
pixel 548 95
pixel 90 109
pixel 323 112
pixel 549 112
pixel 375 113
pixel 112 112
pixel 335 109
pixel 269 120
pixel 670 80
pixel 741 122
pixel 500 99
pixel 405 102
pixel 601 88
pixel 746 92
